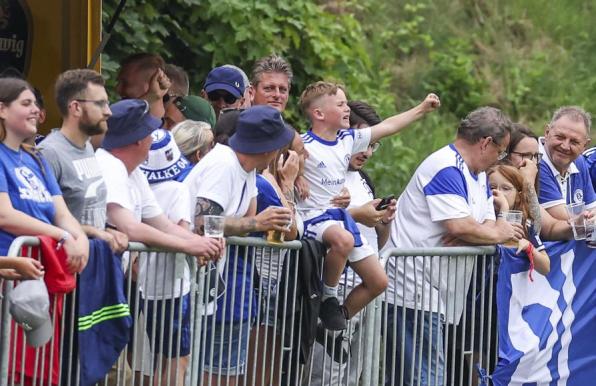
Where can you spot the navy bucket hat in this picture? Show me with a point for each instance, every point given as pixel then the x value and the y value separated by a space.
pixel 260 129
pixel 130 122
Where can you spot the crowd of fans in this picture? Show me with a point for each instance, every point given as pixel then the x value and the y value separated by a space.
pixel 150 167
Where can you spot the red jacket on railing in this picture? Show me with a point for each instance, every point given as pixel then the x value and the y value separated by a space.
pixel 59 282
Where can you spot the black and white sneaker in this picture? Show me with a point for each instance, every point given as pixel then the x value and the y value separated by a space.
pixel 332 315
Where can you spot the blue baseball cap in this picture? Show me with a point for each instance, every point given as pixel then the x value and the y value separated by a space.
pixel 225 78
pixel 260 129
pixel 130 122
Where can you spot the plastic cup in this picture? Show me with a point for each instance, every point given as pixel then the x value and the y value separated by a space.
pixel 214 226
pixel 514 217
pixel 577 220
pixel 591 233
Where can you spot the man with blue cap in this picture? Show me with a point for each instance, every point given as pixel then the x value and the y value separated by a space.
pixel 131 204
pixel 224 183
pixel 224 88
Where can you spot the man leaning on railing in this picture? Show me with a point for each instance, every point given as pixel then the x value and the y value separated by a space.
pixel 447 202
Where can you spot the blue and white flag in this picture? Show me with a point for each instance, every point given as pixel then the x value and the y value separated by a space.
pixel 547 328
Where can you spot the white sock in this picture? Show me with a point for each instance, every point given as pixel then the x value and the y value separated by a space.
pixel 329 292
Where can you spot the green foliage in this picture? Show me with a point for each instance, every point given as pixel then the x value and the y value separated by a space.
pixel 525 57
pixel 199 35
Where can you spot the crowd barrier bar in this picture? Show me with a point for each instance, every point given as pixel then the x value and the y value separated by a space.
pixel 125 372
pixel 277 359
pixel 464 274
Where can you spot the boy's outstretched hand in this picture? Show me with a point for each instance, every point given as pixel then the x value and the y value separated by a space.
pixel 431 103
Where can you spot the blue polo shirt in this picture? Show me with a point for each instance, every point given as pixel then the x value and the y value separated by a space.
pixel 574 186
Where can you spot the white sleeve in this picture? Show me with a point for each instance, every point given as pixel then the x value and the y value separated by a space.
pixel 252 186
pixel 149 206
pixel 447 206
pixel 116 179
pixel 490 211
pixel 180 206
pixel 361 139
pixel 215 185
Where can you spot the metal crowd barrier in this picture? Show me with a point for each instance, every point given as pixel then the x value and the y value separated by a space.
pixel 438 317
pixel 244 327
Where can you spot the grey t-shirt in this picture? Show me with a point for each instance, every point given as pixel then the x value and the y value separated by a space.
pixel 79 176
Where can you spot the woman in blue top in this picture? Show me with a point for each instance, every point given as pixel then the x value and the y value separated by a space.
pixel 30 200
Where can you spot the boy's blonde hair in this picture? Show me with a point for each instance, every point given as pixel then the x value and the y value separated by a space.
pixel 316 90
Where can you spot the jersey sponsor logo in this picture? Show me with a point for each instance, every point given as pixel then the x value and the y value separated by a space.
pixel 578 195
pixel 32 188
pixel 321 165
pixel 87 168
pixel 92 188
pixel 332 181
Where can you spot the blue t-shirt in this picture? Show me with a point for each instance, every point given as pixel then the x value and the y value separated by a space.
pixel 242 279
pixel 266 197
pixel 30 190
pixel 579 184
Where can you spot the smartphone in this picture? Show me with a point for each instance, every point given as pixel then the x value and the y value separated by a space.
pixel 385 201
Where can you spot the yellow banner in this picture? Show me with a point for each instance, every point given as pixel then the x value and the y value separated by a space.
pixel 42 38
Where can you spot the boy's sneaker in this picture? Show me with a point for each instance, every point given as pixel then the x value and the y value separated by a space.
pixel 337 347
pixel 332 315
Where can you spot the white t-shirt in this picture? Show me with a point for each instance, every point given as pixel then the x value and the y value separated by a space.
pixel 360 194
pixel 442 188
pixel 131 192
pixel 219 177
pixel 327 164
pixel 164 273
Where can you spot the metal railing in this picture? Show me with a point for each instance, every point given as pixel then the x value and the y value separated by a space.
pixel 244 321
pixel 438 317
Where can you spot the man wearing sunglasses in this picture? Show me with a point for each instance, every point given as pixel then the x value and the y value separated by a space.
pixel 224 88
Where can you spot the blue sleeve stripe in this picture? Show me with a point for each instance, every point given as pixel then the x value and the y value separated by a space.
pixel 345 133
pixel 447 181
pixel 489 192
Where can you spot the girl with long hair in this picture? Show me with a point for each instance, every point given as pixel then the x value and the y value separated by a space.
pixel 31 202
pixel 511 192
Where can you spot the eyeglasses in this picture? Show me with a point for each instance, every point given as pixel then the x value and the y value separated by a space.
pixel 374 146
pixel 503 154
pixel 101 103
pixel 216 95
pixel 529 156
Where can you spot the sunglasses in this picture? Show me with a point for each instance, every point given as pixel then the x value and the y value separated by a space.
pixel 216 95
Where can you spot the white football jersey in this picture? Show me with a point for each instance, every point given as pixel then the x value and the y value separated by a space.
pixel 327 164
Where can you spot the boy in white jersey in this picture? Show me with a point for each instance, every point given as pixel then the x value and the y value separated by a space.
pixel 330 145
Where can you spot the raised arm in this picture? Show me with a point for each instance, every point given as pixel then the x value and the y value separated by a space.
pixel 394 124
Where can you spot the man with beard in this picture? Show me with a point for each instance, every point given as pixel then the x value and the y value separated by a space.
pixel 83 103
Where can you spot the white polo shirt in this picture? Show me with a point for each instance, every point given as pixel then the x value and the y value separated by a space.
pixel 442 188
